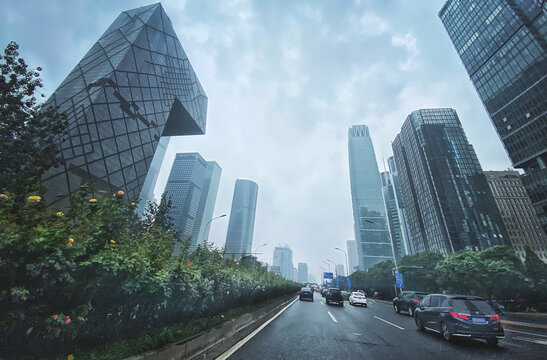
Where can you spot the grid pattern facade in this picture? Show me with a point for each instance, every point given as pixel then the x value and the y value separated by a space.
pixel 282 260
pixel 303 273
pixel 239 238
pixel 133 86
pixel 517 213
pixel 405 231
pixel 447 199
pixel 394 222
pixel 502 45
pixel 206 206
pixel 369 212
pixel 184 188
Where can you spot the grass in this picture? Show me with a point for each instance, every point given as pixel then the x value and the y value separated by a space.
pixel 157 338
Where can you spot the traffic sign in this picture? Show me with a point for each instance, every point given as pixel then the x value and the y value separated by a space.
pixel 399 280
pixel 327 275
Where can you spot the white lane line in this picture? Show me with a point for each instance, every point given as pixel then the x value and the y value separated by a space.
pixel 387 322
pixel 524 332
pixel 537 341
pixel 234 348
pixel 322 303
pixel 332 317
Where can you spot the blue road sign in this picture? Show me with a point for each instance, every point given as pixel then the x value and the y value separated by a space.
pixel 399 280
pixel 328 275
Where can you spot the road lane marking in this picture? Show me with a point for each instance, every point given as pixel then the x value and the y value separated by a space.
pixel 537 341
pixel 332 317
pixel 236 347
pixel 322 303
pixel 387 322
pixel 524 332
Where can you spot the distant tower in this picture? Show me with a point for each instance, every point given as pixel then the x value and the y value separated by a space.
pixel 282 260
pixel 353 256
pixel 369 213
pixel 302 273
pixel 239 238
pixel 449 204
pixel 206 206
pixel 133 87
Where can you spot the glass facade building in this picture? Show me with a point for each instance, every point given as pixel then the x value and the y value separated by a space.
pixel 517 213
pixel 239 238
pixel 395 229
pixel 502 45
pixel 133 87
pixel 192 188
pixel 353 256
pixel 303 273
pixel 369 212
pixel 282 262
pixel 447 199
pixel 400 203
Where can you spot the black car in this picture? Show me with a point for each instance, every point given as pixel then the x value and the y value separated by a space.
pixel 334 295
pixel 408 301
pixel 459 315
pixel 306 293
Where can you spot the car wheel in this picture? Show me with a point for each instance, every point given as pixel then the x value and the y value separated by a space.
pixel 396 308
pixel 419 323
pixel 445 331
pixel 493 341
pixel 351 303
pixel 342 304
pixel 365 305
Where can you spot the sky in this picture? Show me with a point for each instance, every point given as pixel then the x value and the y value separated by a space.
pixel 285 81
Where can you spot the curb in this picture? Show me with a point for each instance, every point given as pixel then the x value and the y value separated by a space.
pixel 212 342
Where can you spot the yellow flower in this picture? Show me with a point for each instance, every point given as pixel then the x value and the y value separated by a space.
pixel 222 315
pixel 70 240
pixel 132 204
pixel 70 357
pixel 92 200
pixel 69 244
pixel 34 198
pixel 120 192
pixel 59 214
pixel 4 197
pixel 227 291
pixel 112 242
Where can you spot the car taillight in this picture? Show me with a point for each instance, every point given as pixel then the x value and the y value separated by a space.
pixel 416 301
pixel 494 318
pixel 461 316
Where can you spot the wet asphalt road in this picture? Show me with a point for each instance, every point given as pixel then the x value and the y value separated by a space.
pixel 314 330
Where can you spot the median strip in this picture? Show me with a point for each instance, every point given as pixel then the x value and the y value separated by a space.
pixel 387 322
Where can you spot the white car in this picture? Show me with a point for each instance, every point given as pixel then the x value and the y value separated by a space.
pixel 357 298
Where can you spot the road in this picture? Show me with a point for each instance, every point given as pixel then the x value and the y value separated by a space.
pixel 314 330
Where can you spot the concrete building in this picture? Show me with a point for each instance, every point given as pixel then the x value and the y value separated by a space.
pixel 239 238
pixel 449 204
pixel 133 87
pixel 517 213
pixel 303 274
pixel 369 213
pixel 502 45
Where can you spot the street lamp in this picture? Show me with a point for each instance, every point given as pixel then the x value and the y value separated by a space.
pixel 346 255
pixel 327 264
pixel 258 247
pixel 323 271
pixel 218 217
pixel 336 275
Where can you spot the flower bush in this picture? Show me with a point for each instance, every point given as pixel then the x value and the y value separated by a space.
pixel 65 282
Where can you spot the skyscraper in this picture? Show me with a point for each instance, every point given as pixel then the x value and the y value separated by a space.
pixel 340 270
pixel 239 238
pixel 369 214
pixel 449 204
pixel 133 86
pixel 394 222
pixel 353 256
pixel 192 187
pixel 207 201
pixel 405 231
pixel 282 259
pixel 502 45
pixel 517 213
pixel 302 273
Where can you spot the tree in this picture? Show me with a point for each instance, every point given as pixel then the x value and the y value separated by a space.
pixel 29 132
pixel 536 271
pixel 420 279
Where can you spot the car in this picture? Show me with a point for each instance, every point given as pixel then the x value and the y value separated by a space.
pixel 324 292
pixel 345 294
pixel 407 301
pixel 459 315
pixel 306 293
pixel 358 298
pixel 334 295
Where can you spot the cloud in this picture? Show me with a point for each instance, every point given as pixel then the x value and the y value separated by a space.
pixel 408 42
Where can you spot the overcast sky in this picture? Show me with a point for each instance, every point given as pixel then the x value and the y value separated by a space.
pixel 285 81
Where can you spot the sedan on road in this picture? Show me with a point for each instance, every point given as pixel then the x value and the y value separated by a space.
pixel 357 298
pixel 459 315
pixel 408 301
pixel 306 293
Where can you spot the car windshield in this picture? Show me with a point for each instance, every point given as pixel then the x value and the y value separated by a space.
pixel 471 305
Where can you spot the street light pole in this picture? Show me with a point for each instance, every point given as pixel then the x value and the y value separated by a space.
pixel 335 274
pixel 218 217
pixel 322 274
pixel 346 255
pixel 258 247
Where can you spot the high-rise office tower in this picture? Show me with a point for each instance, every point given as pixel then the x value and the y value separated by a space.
pixel 192 187
pixel 502 45
pixel 394 222
pixel 369 214
pixel 134 86
pixel 517 213
pixel 239 238
pixel 353 256
pixel 302 273
pixel 207 201
pixel 282 259
pixel 449 204
pixel 340 270
pixel 405 231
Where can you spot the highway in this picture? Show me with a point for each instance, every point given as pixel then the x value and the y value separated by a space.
pixel 314 330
